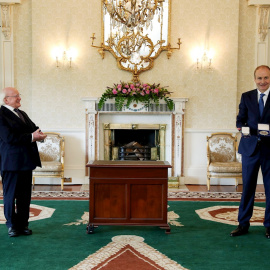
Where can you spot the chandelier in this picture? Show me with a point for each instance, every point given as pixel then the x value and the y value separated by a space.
pixel 135 32
pixel 130 14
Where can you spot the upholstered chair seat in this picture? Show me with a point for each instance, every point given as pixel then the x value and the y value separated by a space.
pixel 225 167
pixel 52 166
pixel 223 159
pixel 52 154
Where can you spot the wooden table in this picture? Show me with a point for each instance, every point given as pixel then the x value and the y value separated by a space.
pixel 128 193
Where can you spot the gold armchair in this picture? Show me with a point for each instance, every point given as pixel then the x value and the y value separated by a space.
pixel 52 152
pixel 223 160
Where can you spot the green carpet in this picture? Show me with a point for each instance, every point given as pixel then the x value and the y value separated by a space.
pixel 198 244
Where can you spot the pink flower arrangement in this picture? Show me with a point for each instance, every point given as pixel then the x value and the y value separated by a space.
pixel 136 92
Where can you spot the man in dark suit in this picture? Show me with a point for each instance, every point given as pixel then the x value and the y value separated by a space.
pixel 254 109
pixel 18 157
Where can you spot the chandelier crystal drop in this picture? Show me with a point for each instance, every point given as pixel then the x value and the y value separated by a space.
pixel 132 14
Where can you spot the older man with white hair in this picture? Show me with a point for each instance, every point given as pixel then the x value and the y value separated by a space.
pixel 18 158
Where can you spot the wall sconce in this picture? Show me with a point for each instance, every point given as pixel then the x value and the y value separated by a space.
pixel 203 58
pixel 64 57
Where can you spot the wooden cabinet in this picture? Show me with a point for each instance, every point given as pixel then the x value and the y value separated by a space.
pixel 128 193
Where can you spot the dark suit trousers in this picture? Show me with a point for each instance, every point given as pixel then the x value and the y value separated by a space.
pixel 250 169
pixel 17 188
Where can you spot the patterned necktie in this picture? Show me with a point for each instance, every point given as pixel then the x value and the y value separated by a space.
pixel 19 114
pixel 261 104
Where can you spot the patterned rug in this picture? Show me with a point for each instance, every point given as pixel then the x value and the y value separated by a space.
pixel 211 196
pixel 59 227
pixel 172 195
pixel 128 252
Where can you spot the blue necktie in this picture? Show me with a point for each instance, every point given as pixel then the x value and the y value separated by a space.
pixel 261 104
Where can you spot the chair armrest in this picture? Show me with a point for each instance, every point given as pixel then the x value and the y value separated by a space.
pixel 208 153
pixel 238 157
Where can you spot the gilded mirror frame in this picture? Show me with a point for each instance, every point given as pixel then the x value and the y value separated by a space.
pixel 119 47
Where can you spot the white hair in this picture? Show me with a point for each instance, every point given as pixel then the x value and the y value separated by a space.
pixel 2 96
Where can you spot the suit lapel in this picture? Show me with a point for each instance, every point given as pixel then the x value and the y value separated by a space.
pixel 12 115
pixel 254 102
pixel 267 105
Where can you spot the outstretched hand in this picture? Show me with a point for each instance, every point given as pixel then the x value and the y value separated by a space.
pixel 38 135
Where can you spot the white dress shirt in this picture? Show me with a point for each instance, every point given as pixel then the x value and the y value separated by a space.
pixel 266 93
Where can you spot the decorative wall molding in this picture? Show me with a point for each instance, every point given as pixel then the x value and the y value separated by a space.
pixel 74 168
pixel 6 43
pixel 262 44
pixel 65 130
pixel 263 15
pixel 6 21
pixel 10 2
pixel 258 2
pixel 263 22
pixel 191 130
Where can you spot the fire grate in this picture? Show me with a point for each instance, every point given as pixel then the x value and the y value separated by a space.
pixel 134 153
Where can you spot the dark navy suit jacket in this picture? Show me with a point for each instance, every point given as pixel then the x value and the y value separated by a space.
pixel 17 151
pixel 249 116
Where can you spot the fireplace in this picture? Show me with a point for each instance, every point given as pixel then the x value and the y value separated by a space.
pixel 134 141
pixel 111 133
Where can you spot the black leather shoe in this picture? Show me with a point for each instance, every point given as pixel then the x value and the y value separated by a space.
pixel 25 231
pixel 267 232
pixel 240 230
pixel 13 232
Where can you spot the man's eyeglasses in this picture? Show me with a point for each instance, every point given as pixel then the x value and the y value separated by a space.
pixel 17 96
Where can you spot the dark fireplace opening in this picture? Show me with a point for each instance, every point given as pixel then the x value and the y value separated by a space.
pixel 144 137
pixel 130 144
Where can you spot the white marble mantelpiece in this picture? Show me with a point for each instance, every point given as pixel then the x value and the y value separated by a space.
pixel 137 114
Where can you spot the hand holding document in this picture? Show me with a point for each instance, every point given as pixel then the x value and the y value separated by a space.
pixel 245 131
